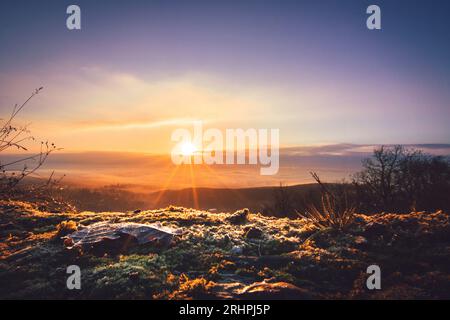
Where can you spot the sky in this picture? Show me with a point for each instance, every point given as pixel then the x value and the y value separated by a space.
pixel 137 70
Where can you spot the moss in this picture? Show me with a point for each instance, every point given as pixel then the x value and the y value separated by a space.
pixel 136 276
pixel 66 227
pixel 33 259
pixel 198 288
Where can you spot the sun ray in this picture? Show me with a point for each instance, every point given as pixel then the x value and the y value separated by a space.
pixel 166 184
pixel 224 185
pixel 194 187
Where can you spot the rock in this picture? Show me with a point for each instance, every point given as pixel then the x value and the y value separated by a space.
pixel 374 229
pixel 68 243
pixel 105 232
pixel 7 226
pixel 236 250
pixel 253 233
pixel 272 261
pixel 137 211
pixel 360 240
pixel 274 291
pixel 134 275
pixel 239 216
pixel 226 239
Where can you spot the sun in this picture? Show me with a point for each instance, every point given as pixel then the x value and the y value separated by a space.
pixel 188 149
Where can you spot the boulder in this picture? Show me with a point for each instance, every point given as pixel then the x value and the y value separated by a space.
pixel 274 291
pixel 239 217
pixel 253 233
pixel 107 233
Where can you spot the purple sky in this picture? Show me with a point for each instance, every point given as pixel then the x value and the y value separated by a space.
pixel 138 69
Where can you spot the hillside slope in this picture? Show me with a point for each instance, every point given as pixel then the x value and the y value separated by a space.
pixel 241 255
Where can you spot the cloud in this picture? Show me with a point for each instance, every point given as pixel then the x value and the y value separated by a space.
pixel 127 125
pixel 93 108
pixel 348 149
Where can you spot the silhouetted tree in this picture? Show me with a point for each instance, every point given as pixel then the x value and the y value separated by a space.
pixel 282 204
pixel 400 179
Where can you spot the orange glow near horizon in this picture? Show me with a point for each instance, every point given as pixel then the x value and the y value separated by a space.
pixel 188 149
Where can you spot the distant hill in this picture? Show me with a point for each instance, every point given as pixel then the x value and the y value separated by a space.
pixel 120 198
pixel 224 199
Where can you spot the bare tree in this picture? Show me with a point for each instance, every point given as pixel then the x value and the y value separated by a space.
pixel 283 201
pixel 400 179
pixel 13 136
pixel 380 171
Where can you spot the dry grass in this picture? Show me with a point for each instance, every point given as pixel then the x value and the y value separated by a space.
pixel 329 216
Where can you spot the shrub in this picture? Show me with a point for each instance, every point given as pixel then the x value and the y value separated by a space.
pixel 335 212
pixel 328 216
pixel 15 137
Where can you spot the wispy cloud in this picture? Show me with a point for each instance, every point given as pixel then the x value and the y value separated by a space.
pixel 129 125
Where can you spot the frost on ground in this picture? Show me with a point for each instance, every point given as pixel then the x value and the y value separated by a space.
pixel 238 255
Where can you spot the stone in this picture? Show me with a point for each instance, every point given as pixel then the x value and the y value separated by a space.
pixel 104 232
pixel 274 291
pixel 236 250
pixel 253 233
pixel 239 217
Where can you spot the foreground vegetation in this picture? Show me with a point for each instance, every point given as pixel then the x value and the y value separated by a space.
pixel 223 255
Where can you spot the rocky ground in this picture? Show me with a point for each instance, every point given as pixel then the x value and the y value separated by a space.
pixel 238 255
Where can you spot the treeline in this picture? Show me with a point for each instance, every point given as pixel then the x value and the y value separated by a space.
pixel 393 179
pixel 396 178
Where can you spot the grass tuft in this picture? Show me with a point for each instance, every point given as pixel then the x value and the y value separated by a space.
pixel 329 217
